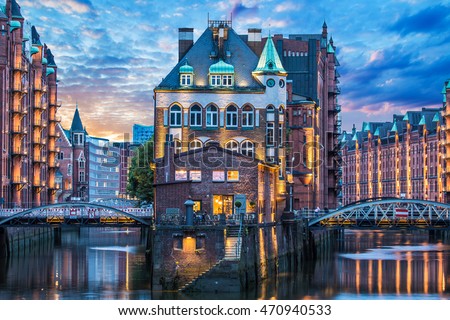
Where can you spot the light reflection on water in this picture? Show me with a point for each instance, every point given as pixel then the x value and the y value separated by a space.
pixel 93 263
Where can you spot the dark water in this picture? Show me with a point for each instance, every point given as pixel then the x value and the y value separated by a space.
pixel 95 263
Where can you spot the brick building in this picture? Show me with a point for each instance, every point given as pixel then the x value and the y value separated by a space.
pixel 403 158
pixel 222 93
pixel 28 104
pixel 313 122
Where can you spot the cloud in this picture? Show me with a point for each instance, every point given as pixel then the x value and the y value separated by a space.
pixel 241 8
pixel 287 6
pixel 428 20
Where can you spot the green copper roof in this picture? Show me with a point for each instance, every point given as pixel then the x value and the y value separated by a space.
pixel 34 50
pixel 13 25
pixel 186 69
pixel 394 127
pixel 406 118
pixel 443 90
pixel 354 138
pixel 448 85
pixel 50 71
pixel 366 126
pixel 436 117
pixel 221 67
pixel 269 61
pixel 330 48
pixel 44 60
pixel 422 120
pixel 377 132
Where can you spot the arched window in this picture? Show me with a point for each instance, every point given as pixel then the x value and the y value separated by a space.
pixel 175 115
pixel 195 144
pixel 247 117
pixel 196 116
pixel 270 113
pixel 177 146
pixel 232 116
pixel 232 145
pixel 247 148
pixel 211 116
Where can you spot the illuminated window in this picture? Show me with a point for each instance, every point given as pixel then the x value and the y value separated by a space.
pixel 218 176
pixel 223 204
pixel 180 175
pixel 195 175
pixel 197 205
pixel 233 175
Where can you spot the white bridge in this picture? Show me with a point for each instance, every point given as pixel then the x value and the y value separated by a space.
pixel 391 212
pixel 76 213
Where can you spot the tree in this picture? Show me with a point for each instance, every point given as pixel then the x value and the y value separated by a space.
pixel 140 175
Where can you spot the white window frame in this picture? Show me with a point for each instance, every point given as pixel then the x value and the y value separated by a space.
pixel 248 117
pixel 177 146
pixel 212 117
pixel 215 80
pixel 232 145
pixel 195 119
pixel 195 144
pixel 175 116
pixel 227 80
pixel 270 134
pixel 186 80
pixel 232 117
pixel 231 179
pixel 195 175
pixel 181 175
pixel 246 150
pixel 218 176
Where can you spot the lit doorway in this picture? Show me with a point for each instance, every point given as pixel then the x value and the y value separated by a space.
pixel 223 204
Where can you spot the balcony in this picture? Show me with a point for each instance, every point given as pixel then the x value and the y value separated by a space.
pixel 53 165
pixel 21 66
pixel 55 119
pixel 39 140
pixel 40 106
pixel 54 134
pixel 19 180
pixel 19 109
pixel 39 159
pixel 19 130
pixel 20 88
pixel 334 90
pixel 18 151
pixel 39 183
pixel 57 104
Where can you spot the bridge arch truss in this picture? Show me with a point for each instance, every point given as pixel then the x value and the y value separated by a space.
pixel 77 213
pixel 388 213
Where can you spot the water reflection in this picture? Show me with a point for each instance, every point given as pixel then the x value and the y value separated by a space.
pixel 89 263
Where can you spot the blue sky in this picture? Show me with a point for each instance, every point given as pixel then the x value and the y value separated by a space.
pixel 394 55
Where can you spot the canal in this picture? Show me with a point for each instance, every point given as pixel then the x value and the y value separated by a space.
pixel 108 263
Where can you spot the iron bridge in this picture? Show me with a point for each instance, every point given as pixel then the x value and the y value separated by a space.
pixel 387 213
pixel 77 213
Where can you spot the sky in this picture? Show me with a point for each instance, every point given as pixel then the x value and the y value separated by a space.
pixel 393 55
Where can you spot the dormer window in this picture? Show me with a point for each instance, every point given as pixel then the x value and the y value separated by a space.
pixel 221 74
pixel 186 75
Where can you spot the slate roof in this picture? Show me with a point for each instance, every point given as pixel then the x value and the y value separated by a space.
pixel 50 58
pixel 242 58
pixel 15 10
pixel 77 125
pixel 36 38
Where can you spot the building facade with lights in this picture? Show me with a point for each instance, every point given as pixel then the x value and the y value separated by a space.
pixel 403 158
pixel 29 104
pixel 142 134
pixel 312 118
pixel 223 96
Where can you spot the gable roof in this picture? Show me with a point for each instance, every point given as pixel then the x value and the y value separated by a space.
pixel 199 57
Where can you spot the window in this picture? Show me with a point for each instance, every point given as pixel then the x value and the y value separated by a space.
pixel 81 176
pixel 227 80
pixel 270 113
pixel 60 155
pixel 177 146
pixel 233 175
pixel 247 148
pixel 232 116
pixel 81 164
pixel 195 175
pixel 280 136
pixel 270 133
pixel 186 79
pixel 78 139
pixel 175 116
pixel 218 176
pixel 180 175
pixel 247 117
pixel 69 169
pixel 196 116
pixel 215 80
pixel 223 204
pixel 232 146
pixel 211 116
pixel 195 144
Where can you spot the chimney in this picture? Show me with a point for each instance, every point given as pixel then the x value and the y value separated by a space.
pixel 185 41
pixel 254 40
pixel 168 157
